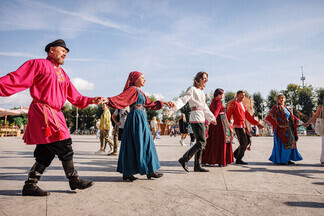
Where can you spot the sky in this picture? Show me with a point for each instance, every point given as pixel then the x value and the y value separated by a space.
pixel 255 45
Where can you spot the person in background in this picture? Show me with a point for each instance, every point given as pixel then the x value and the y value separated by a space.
pixel 119 117
pixel 183 126
pixel 50 87
pixel 105 128
pixel 154 127
pixel 192 135
pixel 285 135
pixel 240 115
pixel 97 127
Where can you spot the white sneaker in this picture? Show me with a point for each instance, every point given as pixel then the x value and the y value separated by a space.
pixel 100 152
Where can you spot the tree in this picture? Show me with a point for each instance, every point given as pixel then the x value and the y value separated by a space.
pixel 305 100
pixel 292 89
pixel 258 104
pixel 272 98
pixel 18 121
pixel 151 113
pixel 229 96
pixel 320 96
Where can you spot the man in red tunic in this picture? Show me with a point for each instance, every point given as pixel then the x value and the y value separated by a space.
pixel 50 87
pixel 240 114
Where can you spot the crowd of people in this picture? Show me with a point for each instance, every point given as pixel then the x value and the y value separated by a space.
pixel 50 87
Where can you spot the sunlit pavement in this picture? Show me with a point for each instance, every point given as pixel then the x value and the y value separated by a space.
pixel 259 188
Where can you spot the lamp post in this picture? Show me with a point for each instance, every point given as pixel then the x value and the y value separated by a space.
pixel 76 121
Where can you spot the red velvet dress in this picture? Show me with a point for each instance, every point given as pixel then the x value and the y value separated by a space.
pixel 218 149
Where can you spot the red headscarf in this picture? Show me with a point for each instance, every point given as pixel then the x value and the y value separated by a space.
pixel 133 76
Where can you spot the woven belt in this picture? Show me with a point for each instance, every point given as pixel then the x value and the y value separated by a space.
pixel 48 131
pixel 196 108
pixel 137 107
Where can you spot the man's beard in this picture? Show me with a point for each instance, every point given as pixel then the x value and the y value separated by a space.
pixel 60 61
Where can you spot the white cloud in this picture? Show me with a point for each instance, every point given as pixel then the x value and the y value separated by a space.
pixel 82 85
pixel 19 54
pixel 158 96
pixel 16 100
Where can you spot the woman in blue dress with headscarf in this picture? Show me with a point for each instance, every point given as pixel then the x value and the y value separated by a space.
pixel 284 133
pixel 137 151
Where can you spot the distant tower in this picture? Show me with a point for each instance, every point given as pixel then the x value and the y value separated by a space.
pixel 302 78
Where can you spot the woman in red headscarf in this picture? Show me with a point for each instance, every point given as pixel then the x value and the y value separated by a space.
pixel 137 151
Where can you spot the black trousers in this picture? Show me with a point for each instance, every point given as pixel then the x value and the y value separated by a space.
pixel 244 140
pixel 192 137
pixel 199 146
pixel 45 153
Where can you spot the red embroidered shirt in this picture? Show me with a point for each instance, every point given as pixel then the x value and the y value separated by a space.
pixel 240 114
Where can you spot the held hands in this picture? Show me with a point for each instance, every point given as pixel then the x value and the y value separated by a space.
pixel 260 126
pixel 305 125
pixel 213 122
pixel 170 104
pixel 99 100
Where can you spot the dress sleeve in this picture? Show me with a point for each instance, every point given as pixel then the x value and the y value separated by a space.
pixel 126 98
pixel 153 105
pixel 19 80
pixel 218 106
pixel 75 98
pixel 183 99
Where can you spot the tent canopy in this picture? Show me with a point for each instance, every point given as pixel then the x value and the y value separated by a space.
pixel 5 112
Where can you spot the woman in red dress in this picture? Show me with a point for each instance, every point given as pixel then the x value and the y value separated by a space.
pixel 218 149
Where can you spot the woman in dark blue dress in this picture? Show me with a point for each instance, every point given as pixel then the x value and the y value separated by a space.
pixel 137 151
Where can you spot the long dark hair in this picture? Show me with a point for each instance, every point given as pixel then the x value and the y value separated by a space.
pixel 218 91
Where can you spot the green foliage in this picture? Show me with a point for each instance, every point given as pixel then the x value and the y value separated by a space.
pixel 320 96
pixel 151 113
pixel 305 100
pixel 229 96
pixel 18 121
pixel 257 104
pixel 272 98
pixel 291 94
pixel 86 117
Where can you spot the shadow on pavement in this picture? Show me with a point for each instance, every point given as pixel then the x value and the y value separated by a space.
pixel 294 172
pixel 306 204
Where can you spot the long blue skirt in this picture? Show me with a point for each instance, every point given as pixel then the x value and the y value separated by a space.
pixel 137 151
pixel 280 154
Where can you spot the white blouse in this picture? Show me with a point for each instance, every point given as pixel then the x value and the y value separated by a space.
pixel 197 102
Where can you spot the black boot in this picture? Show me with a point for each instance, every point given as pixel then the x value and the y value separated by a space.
pixel 198 167
pixel 154 175
pixel 187 156
pixel 30 188
pixel 130 178
pixel 74 180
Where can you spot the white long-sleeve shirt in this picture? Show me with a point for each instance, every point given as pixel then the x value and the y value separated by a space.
pixel 197 102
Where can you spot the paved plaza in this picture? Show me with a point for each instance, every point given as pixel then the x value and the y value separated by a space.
pixel 259 188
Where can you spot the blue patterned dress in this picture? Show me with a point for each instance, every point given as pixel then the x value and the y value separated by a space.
pixel 280 155
pixel 137 151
